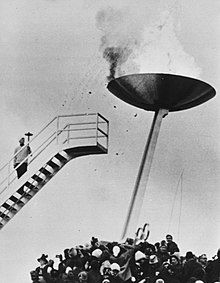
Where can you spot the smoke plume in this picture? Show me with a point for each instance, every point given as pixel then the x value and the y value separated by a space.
pixel 134 43
pixel 121 37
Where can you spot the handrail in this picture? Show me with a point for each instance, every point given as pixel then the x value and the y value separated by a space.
pixel 62 129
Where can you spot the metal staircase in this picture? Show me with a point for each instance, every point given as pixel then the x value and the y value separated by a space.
pixel 61 140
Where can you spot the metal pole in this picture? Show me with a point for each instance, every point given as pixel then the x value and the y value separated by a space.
pixel 143 175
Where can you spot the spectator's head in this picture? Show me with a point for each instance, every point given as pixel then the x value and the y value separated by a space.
pixel 169 238
pixel 115 269
pixel 21 141
pixel 72 252
pixel 189 256
pixel 69 272
pixel 157 245
pixel 203 259
pixel 66 253
pixel 153 260
pixel 139 257
pixel 97 253
pixel 159 280
pixel 174 260
pixel 94 241
pixel 129 241
pixel 43 259
pixel 163 248
pixel 166 264
pixel 116 250
pixel 105 268
pixel 83 276
pixel 148 251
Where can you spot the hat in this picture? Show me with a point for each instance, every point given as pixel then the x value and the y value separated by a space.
pixel 166 263
pixel 83 275
pixel 176 254
pixel 49 269
pixel 189 255
pixel 159 280
pixel 115 266
pixel 153 259
pixel 97 253
pixel 21 138
pixel 139 255
pixel 72 252
pixel 116 250
pixel 43 257
pixel 106 280
pixel 105 265
pixel 68 269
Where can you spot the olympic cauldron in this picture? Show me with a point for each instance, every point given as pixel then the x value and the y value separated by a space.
pixel 161 93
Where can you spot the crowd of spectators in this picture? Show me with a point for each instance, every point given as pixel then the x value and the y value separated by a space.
pixel 134 260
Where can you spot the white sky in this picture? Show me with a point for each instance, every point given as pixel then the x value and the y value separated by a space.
pixel 50 59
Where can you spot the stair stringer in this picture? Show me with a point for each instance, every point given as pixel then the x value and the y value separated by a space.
pixel 38 180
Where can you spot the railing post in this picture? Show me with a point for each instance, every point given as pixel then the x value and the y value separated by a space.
pixel 97 121
pixel 68 134
pixel 8 174
pixel 57 130
pixel 107 134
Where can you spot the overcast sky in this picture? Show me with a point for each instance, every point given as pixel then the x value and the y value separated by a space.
pixel 51 63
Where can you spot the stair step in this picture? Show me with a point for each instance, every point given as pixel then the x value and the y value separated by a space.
pixel 23 193
pixel 16 200
pixel 30 186
pixel 44 171
pixel 21 190
pixel 61 158
pixel 9 207
pixel 37 178
pixel 53 164
pixel 4 216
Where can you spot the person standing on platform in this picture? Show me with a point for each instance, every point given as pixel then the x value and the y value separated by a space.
pixel 21 157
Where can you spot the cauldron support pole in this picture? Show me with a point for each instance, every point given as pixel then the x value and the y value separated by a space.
pixel 143 174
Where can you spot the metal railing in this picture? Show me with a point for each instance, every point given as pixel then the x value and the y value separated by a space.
pixel 62 132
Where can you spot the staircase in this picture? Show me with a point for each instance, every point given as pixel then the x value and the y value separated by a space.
pixel 64 138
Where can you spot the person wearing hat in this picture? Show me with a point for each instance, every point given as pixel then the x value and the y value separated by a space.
pixel 203 260
pixel 50 274
pixel 21 154
pixel 139 266
pixel 115 269
pixel 43 260
pixel 154 268
pixel 43 263
pixel 191 266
